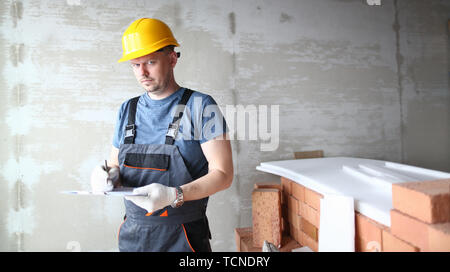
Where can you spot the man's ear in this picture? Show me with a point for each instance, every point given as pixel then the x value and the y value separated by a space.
pixel 173 58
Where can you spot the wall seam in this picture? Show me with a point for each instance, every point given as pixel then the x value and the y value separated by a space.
pixel 399 62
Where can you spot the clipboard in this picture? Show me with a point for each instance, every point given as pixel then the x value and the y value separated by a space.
pixel 121 191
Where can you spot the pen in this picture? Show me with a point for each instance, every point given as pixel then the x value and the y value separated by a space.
pixel 106 169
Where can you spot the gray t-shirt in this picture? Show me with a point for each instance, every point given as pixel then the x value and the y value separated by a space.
pixel 202 121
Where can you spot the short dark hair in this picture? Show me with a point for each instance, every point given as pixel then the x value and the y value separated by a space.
pixel 168 49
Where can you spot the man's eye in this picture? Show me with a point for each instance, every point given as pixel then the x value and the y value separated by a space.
pixel 151 62
pixel 135 65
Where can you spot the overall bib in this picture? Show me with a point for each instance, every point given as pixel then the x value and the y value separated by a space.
pixel 168 229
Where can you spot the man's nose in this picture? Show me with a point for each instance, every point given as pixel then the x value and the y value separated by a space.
pixel 143 71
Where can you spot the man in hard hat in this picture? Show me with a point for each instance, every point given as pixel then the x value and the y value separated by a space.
pixel 170 143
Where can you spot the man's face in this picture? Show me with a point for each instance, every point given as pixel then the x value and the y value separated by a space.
pixel 154 71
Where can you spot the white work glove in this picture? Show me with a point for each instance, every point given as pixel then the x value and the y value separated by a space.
pixel 102 180
pixel 157 196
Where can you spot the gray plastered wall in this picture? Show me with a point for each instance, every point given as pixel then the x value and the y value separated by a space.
pixel 349 78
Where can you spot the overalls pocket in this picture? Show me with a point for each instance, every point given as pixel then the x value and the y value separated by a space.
pixel 138 237
pixel 198 235
pixel 187 238
pixel 156 162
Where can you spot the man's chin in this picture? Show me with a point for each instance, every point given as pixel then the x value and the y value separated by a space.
pixel 152 90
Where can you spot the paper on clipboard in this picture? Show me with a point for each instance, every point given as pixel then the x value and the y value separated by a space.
pixel 122 191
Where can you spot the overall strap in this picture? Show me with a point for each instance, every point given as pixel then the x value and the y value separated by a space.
pixel 173 127
pixel 130 129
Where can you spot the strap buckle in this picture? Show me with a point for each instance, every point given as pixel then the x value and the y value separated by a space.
pixel 172 130
pixel 130 130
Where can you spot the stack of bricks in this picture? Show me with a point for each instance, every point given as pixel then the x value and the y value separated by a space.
pixel 267 221
pixel 301 213
pixel 420 220
pixel 369 234
pixel 421 214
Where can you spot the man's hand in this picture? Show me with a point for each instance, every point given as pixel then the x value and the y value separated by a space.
pixel 103 180
pixel 157 196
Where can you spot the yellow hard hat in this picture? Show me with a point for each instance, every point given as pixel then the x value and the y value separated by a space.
pixel 145 36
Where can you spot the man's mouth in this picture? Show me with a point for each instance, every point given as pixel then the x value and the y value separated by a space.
pixel 146 80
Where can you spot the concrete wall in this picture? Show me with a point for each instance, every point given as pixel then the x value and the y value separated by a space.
pixel 349 78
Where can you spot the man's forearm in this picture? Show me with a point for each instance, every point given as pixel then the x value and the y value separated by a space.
pixel 209 184
pixel 114 157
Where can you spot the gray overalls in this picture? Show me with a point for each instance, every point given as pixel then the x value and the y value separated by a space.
pixel 169 229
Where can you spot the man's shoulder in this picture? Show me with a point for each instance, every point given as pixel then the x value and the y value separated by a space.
pixel 201 99
pixel 196 93
pixel 126 102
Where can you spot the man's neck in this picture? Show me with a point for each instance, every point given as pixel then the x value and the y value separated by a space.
pixel 165 93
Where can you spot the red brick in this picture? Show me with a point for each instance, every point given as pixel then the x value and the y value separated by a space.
pixel 288 244
pixel 309 229
pixel 298 191
pixel 285 190
pixel 308 154
pixel 409 229
pixel 312 198
pixel 285 210
pixel 241 233
pixel 298 222
pixel 427 237
pixel 295 219
pixel 266 212
pixel 391 243
pixel 292 208
pixel 267 185
pixel 368 229
pixel 362 245
pixel 439 237
pixel 309 242
pixel 286 185
pixel 310 214
pixel 295 233
pixel 285 218
pixel 284 225
pixel 300 237
pixel 428 201
pixel 247 245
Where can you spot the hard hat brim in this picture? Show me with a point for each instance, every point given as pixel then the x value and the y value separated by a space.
pixel 136 54
pixel 146 51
